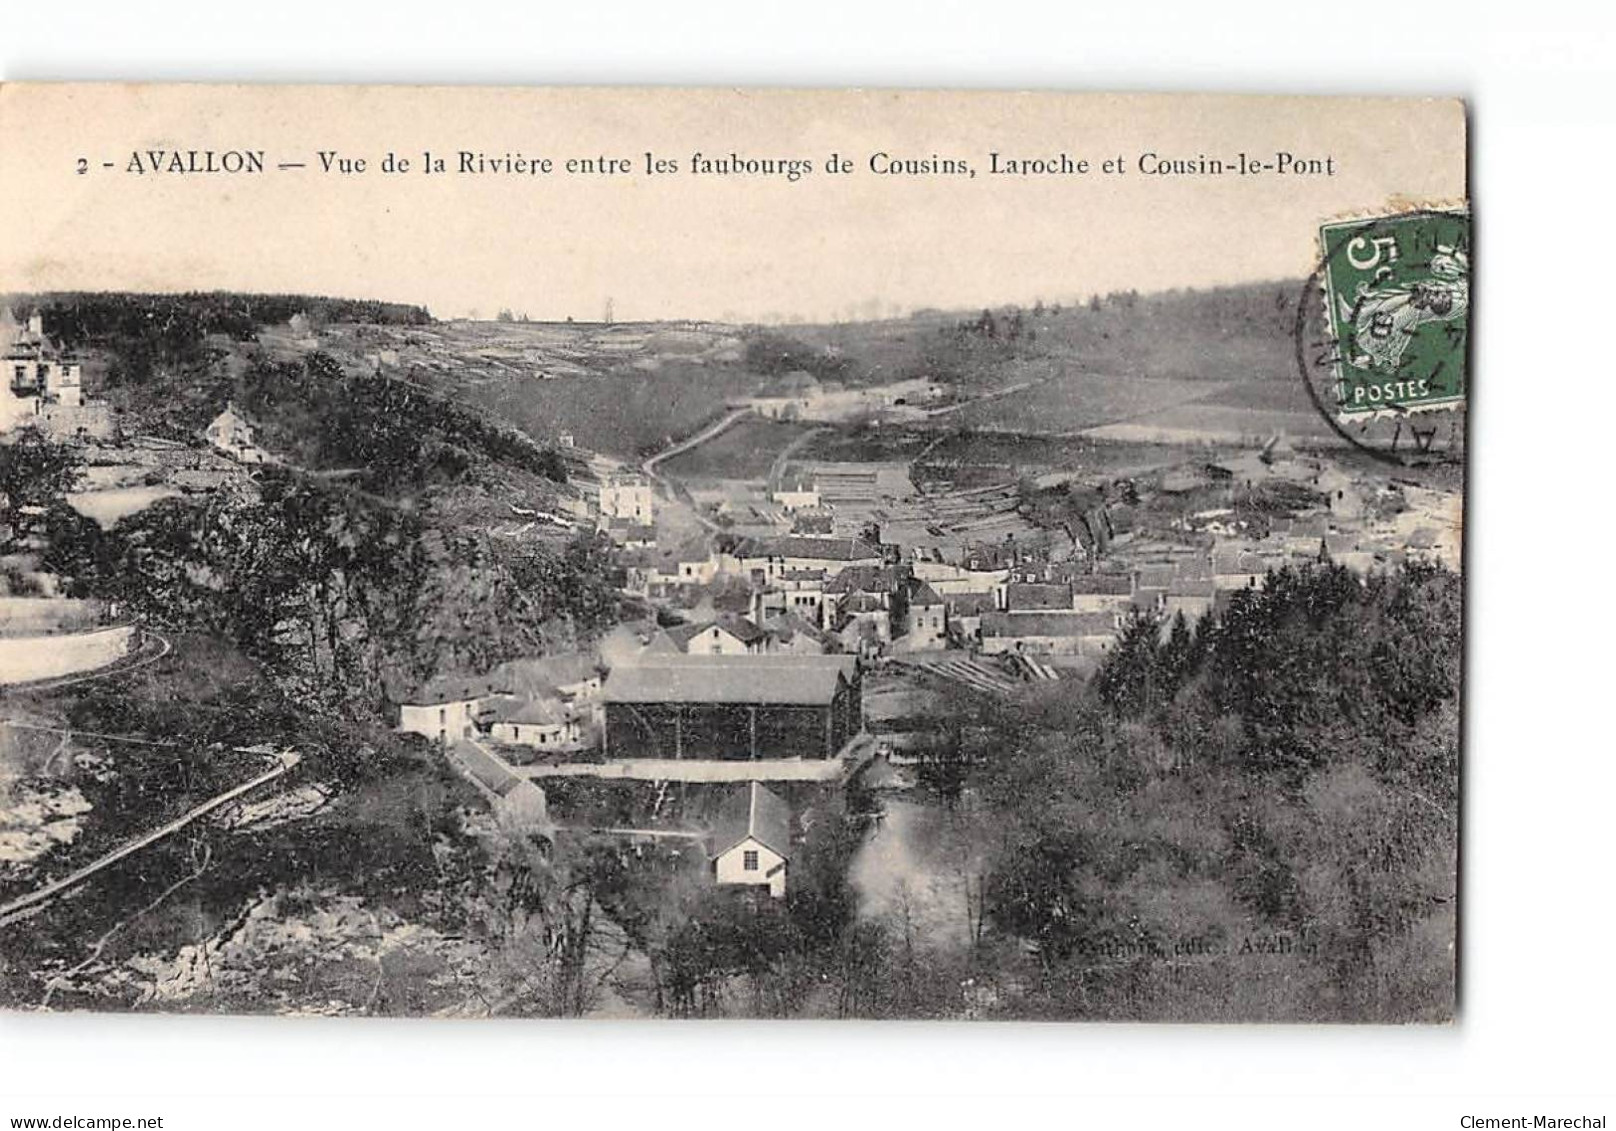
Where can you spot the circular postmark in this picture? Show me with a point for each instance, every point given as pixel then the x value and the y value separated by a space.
pixel 1383 332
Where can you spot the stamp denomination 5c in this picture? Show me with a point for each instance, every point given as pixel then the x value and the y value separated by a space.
pixel 1384 329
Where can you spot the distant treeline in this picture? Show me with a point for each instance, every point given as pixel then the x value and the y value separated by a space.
pixel 148 331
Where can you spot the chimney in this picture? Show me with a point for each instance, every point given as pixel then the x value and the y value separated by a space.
pixel 36 325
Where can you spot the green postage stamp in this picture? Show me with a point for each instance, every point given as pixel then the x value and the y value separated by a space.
pixel 1397 300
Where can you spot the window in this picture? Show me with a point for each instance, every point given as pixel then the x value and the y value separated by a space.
pixel 516 734
pixel 749 860
pixel 443 715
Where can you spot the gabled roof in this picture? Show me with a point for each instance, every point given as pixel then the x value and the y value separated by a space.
pixel 864 579
pixel 752 813
pixel 529 712
pixel 807 546
pixel 742 628
pixel 783 679
pixel 455 687
pixel 1016 625
pixel 863 603
pixel 922 594
pixel 785 626
pixel 540 675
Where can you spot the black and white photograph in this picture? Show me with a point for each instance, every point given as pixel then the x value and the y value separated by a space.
pixel 576 627
pixel 852 566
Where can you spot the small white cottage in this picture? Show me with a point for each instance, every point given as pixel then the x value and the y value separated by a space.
pixel 752 840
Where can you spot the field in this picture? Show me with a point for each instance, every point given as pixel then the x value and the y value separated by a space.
pixel 1077 401
pixel 744 451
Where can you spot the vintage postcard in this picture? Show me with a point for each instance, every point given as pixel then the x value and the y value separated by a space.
pixel 731 553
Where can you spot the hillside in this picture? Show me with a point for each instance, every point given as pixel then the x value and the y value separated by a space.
pixel 1157 362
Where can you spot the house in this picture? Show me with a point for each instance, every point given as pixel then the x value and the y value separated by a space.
pixel 864 620
pixel 642 574
pixel 634 535
pixel 751 840
pixel 542 723
pixel 792 634
pixel 868 591
pixel 1048 633
pixel 965 615
pixel 950 579
pixel 764 559
pixel 230 434
pixel 41 384
pixel 572 677
pixel 728 635
pixel 447 708
pixel 1305 535
pixel 925 618
pixel 1023 596
pixel 732 707
pixel 800 591
pixel 1192 597
pixel 1148 601
pixel 697 564
pixel 626 496
pixel 1234 568
pixel 797 496
pixel 1101 592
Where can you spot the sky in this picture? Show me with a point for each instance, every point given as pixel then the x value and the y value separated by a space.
pixel 683 244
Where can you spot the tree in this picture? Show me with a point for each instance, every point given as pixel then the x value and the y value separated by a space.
pixel 35 471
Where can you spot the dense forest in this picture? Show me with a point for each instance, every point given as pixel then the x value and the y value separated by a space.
pixel 1254 817
pixel 151 333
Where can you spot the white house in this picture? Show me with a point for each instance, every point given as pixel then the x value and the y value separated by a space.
pixel 1049 633
pixel 626 496
pixel 450 707
pixel 926 618
pixel 797 496
pixel 751 840
pixel 231 434
pixel 728 635
pixel 538 723
pixel 36 374
pixel 798 591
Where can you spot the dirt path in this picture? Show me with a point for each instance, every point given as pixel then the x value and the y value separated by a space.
pixel 707 433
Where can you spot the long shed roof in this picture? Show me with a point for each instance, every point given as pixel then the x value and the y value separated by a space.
pixel 783 679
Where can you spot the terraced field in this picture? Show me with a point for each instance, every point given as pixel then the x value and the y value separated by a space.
pixel 1079 401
